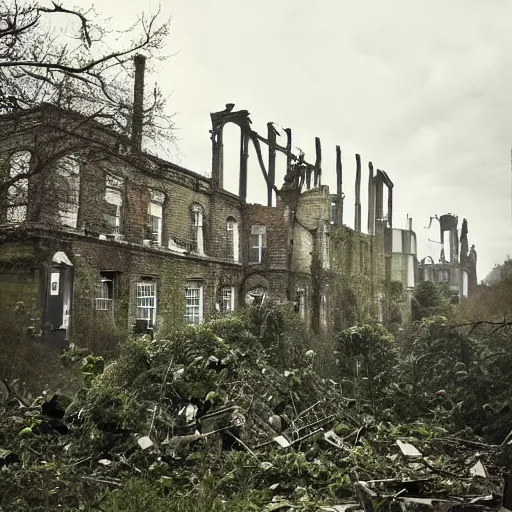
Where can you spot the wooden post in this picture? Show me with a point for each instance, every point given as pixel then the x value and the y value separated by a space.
pixel 339 188
pixel 357 213
pixel 271 162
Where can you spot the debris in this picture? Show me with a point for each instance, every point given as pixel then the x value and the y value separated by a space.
pixel 408 449
pixel 282 441
pixel 145 442
pixel 478 470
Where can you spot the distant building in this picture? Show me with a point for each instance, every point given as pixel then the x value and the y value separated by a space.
pixel 456 267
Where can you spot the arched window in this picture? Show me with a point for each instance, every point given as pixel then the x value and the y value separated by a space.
pixel 258 249
pixel 17 193
pixel 232 239
pixel 68 190
pixel 197 228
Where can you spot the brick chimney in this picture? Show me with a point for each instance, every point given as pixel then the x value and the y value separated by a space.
pixel 138 103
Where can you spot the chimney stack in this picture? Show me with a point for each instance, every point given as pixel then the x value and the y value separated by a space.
pixel 138 103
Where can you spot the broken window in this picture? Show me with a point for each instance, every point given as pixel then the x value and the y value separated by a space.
pixel 232 243
pixel 198 237
pixel 68 190
pixel 17 193
pixel 155 215
pixel 114 203
pixel 255 297
pixel 301 302
pixel 146 302
pixel 258 247
pixel 228 299
pixel 105 292
pixel 194 302
pixel 444 276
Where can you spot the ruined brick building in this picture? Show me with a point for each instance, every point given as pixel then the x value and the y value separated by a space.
pixel 90 224
pixel 456 265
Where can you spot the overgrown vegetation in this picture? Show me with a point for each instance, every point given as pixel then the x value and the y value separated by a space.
pixel 238 414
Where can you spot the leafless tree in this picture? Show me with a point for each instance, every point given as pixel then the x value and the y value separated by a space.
pixel 70 58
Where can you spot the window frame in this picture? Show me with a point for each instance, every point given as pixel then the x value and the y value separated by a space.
pixel 16 209
pixel 68 168
pixel 233 239
pixel 105 291
pixel 301 302
pixel 230 299
pixel 114 184
pixel 194 313
pixel 152 309
pixel 157 199
pixel 197 228
pixel 443 276
pixel 258 241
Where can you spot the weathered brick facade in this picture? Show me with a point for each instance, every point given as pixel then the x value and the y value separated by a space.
pixel 86 241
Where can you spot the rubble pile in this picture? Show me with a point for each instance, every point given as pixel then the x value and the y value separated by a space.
pixel 204 420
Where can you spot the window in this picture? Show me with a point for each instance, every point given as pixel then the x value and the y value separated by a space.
pixel 198 238
pixel 232 245
pixel 155 215
pixel 301 302
pixel 228 299
pixel 333 212
pixel 258 244
pixel 194 302
pixel 114 203
pixel 444 276
pixel 255 297
pixel 146 302
pixel 68 190
pixel 17 193
pixel 105 292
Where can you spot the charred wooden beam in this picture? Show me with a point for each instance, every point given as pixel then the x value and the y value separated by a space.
pixel 339 188
pixel 371 200
pixel 379 196
pixel 357 213
pixel 288 149
pixel 318 163
pixel 244 156
pixel 271 162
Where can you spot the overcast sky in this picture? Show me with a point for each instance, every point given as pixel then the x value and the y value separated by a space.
pixel 421 89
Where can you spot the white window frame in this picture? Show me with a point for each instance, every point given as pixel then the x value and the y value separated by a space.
pixel 232 229
pixel 114 186
pixel 146 302
pixel 227 299
pixel 194 302
pixel 258 241
pixel 105 295
pixel 156 211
